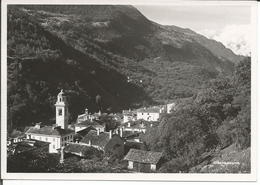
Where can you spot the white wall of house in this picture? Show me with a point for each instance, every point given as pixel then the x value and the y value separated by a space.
pixel 153 167
pixel 135 129
pixel 148 116
pixel 130 164
pixel 126 118
pixel 56 142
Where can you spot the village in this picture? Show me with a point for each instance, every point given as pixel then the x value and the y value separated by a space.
pixel 125 140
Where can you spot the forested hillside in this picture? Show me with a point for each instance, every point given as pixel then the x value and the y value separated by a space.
pixel 113 52
pixel 217 116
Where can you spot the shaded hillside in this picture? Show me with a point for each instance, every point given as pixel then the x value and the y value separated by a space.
pixel 40 64
pixel 111 51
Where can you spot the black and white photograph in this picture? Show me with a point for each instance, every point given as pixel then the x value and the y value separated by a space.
pixel 147 90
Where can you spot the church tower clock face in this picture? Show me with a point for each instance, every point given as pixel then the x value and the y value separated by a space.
pixel 62 115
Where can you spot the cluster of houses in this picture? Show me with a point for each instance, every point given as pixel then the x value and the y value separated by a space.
pixel 88 132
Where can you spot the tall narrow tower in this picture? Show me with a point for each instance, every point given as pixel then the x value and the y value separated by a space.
pixel 62 111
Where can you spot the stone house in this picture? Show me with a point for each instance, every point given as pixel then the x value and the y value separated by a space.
pixel 143 161
pixel 106 141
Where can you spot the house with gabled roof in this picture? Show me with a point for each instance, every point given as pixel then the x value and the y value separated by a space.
pixel 77 149
pixel 143 161
pixel 106 141
pixel 149 114
pixel 134 127
pixel 129 115
pixel 88 116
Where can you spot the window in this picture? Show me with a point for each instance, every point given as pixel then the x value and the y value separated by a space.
pixel 46 139
pixel 65 138
pixel 142 113
pixel 61 139
pixel 53 146
pixel 71 137
pixel 60 112
pixel 53 139
pixel 147 113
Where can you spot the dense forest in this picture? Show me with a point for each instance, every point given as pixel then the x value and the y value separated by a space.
pixel 216 117
pixel 112 52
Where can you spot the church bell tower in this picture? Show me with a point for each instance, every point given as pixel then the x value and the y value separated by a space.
pixel 62 111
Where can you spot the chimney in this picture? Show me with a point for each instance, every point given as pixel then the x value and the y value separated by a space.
pixel 62 155
pixel 91 119
pixel 77 140
pixel 98 131
pixel 110 134
pixel 129 124
pixel 90 142
pixel 151 125
pixel 86 111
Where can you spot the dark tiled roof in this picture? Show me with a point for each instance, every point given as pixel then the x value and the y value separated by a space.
pixel 133 144
pixel 49 130
pixel 84 131
pixel 18 135
pixel 131 134
pixel 149 110
pixel 76 148
pixel 143 156
pixel 30 144
pixel 89 123
pixel 98 140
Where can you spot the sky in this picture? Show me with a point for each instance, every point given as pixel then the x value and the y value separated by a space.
pixel 230 25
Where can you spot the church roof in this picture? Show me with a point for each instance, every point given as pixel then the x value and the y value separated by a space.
pixel 98 140
pixel 143 156
pixel 49 130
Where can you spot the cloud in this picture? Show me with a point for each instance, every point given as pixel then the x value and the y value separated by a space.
pixel 208 33
pixel 235 37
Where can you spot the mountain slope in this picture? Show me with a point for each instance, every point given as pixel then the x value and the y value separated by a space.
pixel 214 46
pixel 112 51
